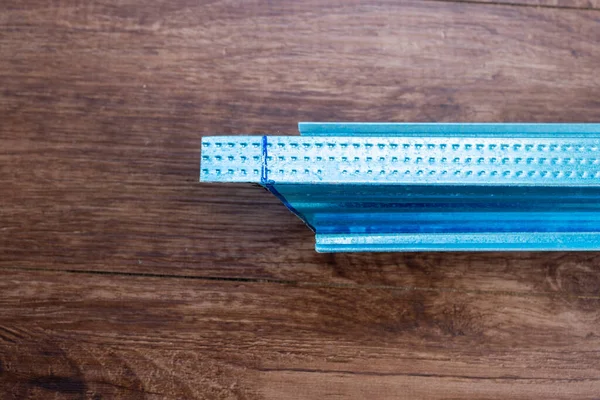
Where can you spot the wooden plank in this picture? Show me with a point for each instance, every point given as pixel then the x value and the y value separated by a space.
pixel 103 105
pixel 65 335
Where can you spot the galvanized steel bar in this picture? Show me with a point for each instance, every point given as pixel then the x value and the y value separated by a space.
pixel 408 187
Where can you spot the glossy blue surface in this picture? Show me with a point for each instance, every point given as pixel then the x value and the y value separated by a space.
pixel 435 187
pixel 446 129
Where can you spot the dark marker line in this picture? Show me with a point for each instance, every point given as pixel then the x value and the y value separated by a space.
pixel 516 4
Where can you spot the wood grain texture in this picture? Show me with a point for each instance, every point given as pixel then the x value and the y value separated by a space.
pixel 122 277
pixel 91 335
pixel 104 104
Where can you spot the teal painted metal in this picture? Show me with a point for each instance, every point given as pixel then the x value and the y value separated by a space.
pixel 446 129
pixel 434 187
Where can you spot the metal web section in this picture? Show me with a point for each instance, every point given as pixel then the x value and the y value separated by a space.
pixel 402 160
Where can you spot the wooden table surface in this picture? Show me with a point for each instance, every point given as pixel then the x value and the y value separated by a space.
pixel 123 277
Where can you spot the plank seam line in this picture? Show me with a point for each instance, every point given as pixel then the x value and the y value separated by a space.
pixel 515 4
pixel 304 284
pixel 426 375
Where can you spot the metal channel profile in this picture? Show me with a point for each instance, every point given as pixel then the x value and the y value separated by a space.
pixel 427 187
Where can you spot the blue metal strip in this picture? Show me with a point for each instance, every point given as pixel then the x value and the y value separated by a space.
pixel 562 241
pixel 508 187
pixel 447 129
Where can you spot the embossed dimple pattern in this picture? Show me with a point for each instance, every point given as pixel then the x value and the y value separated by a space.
pixel 534 161
pixel 231 159
pixel 408 160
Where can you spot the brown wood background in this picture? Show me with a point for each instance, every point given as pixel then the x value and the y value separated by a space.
pixel 123 277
